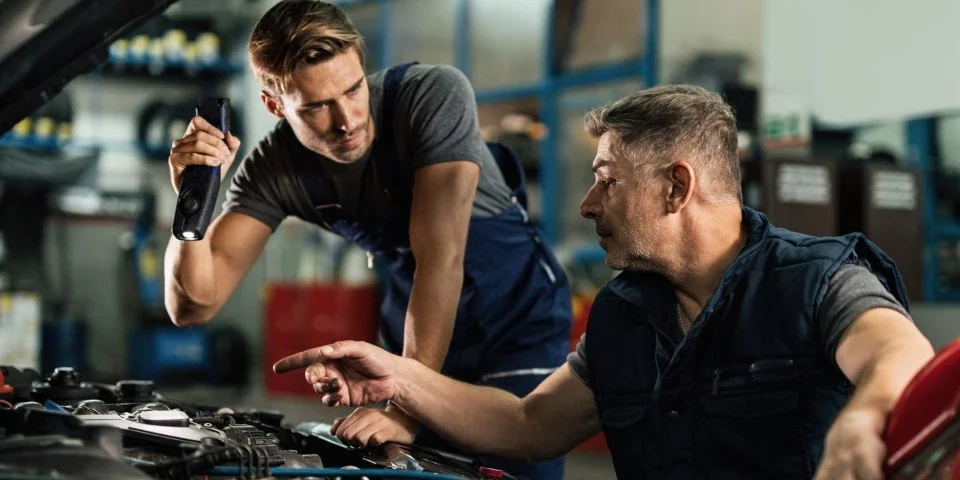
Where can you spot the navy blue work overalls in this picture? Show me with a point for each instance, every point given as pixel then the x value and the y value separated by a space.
pixel 513 321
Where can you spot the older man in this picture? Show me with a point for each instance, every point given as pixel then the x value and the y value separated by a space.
pixel 728 348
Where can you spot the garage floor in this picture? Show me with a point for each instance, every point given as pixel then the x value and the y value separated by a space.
pixel 579 465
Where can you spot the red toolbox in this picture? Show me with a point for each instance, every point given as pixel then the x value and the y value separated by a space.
pixel 299 316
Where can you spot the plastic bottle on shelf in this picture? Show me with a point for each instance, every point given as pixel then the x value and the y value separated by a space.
pixel 139 48
pixel 174 45
pixel 119 50
pixel 156 56
pixel 208 48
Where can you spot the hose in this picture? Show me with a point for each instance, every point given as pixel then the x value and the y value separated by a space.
pixel 338 472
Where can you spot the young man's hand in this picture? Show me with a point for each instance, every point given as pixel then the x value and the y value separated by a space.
pixel 201 144
pixel 347 373
pixel 367 427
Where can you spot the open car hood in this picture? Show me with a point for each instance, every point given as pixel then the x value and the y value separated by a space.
pixel 44 44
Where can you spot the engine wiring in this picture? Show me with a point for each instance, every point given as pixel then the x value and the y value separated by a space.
pixel 336 472
pixel 257 468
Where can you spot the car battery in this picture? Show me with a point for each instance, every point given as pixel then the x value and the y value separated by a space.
pixel 922 435
pixel 798 194
pixel 884 202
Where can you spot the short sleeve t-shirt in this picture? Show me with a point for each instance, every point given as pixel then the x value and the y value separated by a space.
pixel 435 121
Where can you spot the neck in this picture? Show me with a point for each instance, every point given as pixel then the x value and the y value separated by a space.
pixel 713 238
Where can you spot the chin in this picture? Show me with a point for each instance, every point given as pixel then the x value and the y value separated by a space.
pixel 625 261
pixel 615 261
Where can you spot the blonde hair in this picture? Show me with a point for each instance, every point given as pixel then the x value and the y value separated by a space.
pixel 296 33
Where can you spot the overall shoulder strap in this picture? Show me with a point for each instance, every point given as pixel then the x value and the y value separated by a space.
pixel 385 151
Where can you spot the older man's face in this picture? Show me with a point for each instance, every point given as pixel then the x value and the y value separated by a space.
pixel 627 209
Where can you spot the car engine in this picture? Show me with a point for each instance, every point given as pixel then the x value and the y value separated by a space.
pixel 61 427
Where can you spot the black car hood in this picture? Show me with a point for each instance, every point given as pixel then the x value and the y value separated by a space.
pixel 44 44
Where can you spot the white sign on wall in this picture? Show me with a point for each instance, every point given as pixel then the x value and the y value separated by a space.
pixel 893 190
pixel 804 184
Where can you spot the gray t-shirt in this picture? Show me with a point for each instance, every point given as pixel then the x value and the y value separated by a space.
pixel 435 121
pixel 852 291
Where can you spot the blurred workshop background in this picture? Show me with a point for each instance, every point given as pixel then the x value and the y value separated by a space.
pixel 848 120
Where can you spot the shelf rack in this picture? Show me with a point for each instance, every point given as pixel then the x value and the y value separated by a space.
pixel 547 90
pixel 920 155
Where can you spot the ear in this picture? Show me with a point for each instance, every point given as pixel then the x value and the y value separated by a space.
pixel 272 104
pixel 682 181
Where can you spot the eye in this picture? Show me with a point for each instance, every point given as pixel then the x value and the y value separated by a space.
pixel 608 182
pixel 314 108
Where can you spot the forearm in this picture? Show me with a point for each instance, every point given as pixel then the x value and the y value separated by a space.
pixel 190 282
pixel 432 309
pixel 496 424
pixel 887 373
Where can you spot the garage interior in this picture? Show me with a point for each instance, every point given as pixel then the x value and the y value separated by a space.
pixel 844 125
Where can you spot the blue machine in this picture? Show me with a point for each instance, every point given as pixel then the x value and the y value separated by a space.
pixel 171 355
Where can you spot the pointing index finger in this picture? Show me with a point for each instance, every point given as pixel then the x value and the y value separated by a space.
pixel 302 359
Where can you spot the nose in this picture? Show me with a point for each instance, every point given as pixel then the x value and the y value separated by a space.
pixel 589 206
pixel 343 118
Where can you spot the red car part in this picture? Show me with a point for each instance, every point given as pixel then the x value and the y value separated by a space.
pixel 923 432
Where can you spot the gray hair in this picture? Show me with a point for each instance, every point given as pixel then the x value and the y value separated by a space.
pixel 658 126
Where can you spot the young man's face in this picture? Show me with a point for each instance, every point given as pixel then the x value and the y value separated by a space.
pixel 328 106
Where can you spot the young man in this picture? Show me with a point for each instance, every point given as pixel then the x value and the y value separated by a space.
pixel 394 162
pixel 728 348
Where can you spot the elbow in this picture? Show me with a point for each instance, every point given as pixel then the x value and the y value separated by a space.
pixel 184 320
pixel 186 313
pixel 542 452
pixel 535 445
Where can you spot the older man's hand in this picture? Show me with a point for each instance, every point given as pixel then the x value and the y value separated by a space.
pixel 347 373
pixel 854 448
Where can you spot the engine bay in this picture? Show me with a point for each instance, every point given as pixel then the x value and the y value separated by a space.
pixel 60 426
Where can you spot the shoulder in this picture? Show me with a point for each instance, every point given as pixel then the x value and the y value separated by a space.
pixel 267 169
pixel 820 257
pixel 429 76
pixel 275 144
pixel 794 247
pixel 435 86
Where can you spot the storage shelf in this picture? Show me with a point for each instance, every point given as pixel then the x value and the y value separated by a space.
pixel 170 69
pixel 583 78
pixel 8 142
pixel 497 95
pixel 948 230
pixel 921 155
pixel 952 296
pixel 78 145
pixel 603 74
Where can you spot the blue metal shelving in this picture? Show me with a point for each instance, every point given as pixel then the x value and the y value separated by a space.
pixel 920 155
pixel 547 91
